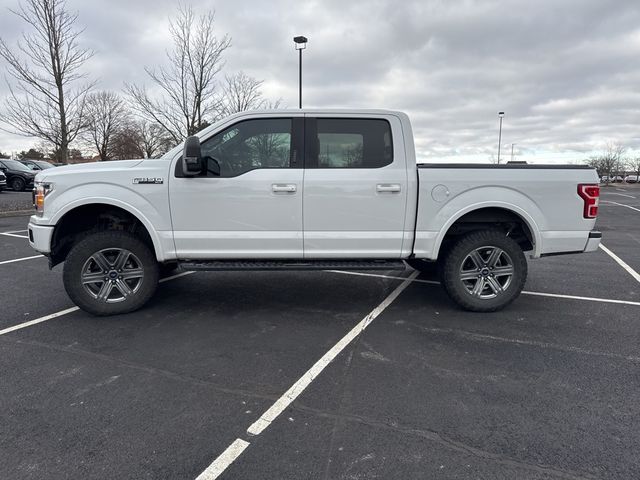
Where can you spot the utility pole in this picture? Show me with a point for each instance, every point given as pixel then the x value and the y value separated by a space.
pixel 512 151
pixel 500 115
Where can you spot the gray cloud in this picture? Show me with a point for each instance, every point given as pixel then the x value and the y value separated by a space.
pixel 565 72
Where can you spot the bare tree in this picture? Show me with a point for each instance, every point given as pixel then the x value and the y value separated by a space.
pixel 106 115
pixel 239 93
pixel 634 166
pixel 187 83
pixel 154 141
pixel 140 139
pixel 610 162
pixel 47 98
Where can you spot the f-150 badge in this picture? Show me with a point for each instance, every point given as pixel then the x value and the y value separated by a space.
pixel 148 180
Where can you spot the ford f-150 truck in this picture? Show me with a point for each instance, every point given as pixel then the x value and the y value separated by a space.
pixel 306 189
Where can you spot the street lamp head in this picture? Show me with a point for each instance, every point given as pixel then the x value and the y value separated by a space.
pixel 301 42
pixel 501 114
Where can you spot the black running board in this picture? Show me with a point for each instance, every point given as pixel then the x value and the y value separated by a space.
pixel 219 265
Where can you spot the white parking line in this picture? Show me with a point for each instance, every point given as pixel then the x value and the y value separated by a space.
pixel 621 194
pixel 16 231
pixel 8 234
pixel 621 262
pixel 622 205
pixel 297 388
pixel 234 450
pixel 221 463
pixel 38 320
pixel 524 292
pixel 69 310
pixel 20 259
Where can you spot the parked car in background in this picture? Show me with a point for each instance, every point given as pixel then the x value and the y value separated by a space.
pixel 3 182
pixel 19 177
pixel 36 164
pixel 617 179
pixel 631 179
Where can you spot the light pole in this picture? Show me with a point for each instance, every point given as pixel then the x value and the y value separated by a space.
pixel 512 151
pixel 500 114
pixel 301 44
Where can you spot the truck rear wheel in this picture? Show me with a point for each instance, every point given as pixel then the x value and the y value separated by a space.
pixel 110 272
pixel 484 271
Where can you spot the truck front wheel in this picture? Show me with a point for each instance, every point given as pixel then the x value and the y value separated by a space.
pixel 484 271
pixel 110 272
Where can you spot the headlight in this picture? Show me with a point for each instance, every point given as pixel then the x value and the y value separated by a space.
pixel 40 192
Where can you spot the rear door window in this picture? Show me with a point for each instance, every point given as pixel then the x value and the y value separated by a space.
pixel 349 143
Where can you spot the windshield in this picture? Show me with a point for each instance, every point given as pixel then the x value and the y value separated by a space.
pixel 43 165
pixel 15 165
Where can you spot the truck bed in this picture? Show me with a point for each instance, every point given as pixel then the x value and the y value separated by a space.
pixel 544 196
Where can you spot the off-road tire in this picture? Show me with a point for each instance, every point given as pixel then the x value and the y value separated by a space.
pixel 461 251
pixel 81 253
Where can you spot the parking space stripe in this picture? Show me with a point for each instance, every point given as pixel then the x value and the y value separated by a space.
pixel 621 262
pixel 7 234
pixel 20 259
pixel 622 205
pixel 621 194
pixel 221 463
pixel 69 310
pixel 177 275
pixel 577 297
pixel 524 292
pixel 16 231
pixel 38 320
pixel 297 388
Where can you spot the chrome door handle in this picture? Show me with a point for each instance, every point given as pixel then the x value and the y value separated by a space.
pixel 284 188
pixel 388 188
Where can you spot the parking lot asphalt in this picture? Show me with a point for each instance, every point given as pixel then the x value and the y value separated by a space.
pixel 547 388
pixel 11 201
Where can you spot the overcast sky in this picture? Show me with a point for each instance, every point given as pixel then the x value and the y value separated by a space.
pixel 566 72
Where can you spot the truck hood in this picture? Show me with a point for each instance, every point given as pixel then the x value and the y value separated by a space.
pixel 50 174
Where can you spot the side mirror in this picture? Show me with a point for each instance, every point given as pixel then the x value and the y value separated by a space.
pixel 191 157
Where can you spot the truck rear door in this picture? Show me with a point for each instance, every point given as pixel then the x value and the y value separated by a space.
pixel 355 187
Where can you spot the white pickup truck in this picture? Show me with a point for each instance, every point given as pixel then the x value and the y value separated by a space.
pixel 306 189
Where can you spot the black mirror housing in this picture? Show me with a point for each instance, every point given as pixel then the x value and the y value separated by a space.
pixel 192 157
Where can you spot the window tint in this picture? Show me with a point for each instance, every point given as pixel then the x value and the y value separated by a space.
pixel 249 145
pixel 353 143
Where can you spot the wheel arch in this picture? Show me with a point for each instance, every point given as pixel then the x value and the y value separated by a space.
pixel 492 215
pixel 84 216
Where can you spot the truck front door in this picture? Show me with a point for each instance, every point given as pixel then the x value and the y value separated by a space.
pixel 355 188
pixel 253 208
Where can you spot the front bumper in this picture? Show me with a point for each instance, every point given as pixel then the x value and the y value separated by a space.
pixel 593 242
pixel 40 237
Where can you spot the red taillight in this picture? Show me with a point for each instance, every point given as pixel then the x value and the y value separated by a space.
pixel 590 194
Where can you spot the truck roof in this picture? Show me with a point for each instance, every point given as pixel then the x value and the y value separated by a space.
pixel 341 111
